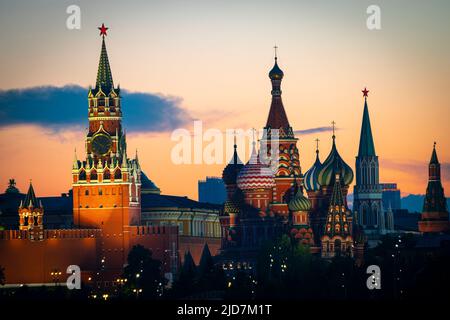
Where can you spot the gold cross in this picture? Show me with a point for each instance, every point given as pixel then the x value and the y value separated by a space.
pixel 333 123
pixel 317 143
pixel 275 47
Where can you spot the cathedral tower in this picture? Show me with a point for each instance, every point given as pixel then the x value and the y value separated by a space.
pixel 367 192
pixel 434 218
pixel 337 239
pixel 279 134
pixel 106 184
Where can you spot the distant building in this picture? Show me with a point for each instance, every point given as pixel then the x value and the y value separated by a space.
pixel 212 190
pixel 391 196
pixel 406 221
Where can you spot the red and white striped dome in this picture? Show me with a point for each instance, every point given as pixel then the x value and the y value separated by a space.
pixel 255 175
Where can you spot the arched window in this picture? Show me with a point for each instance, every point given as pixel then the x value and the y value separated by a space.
pixel 106 175
pixel 338 227
pixel 86 192
pixel 373 174
pixel 118 174
pixel 375 215
pixel 94 175
pixel 82 175
pixel 364 217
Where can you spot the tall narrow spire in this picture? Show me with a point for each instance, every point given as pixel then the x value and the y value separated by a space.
pixel 434 217
pixel 277 118
pixel 104 75
pixel 366 145
pixel 75 160
pixel 434 157
pixel 337 198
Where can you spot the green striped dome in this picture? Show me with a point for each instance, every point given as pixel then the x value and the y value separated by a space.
pixel 331 165
pixel 299 202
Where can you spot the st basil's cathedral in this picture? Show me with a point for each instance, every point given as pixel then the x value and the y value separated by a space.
pixel 266 199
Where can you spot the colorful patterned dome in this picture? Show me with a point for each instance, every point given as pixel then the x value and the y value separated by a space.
pixel 331 165
pixel 276 73
pixel 255 175
pixel 229 174
pixel 310 178
pixel 299 202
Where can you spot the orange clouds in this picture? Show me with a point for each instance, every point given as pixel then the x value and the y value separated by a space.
pixel 44 155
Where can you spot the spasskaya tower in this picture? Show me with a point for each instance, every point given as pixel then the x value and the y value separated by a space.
pixel 106 183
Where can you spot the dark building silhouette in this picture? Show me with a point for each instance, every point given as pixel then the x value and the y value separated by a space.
pixel 212 190
pixel 391 196
pixel 434 217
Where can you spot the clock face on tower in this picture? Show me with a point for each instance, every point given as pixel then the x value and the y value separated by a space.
pixel 101 144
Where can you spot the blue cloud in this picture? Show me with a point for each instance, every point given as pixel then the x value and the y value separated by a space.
pixel 60 106
pixel 314 130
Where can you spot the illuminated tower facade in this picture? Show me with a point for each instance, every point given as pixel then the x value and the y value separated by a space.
pixel 279 147
pixel 368 202
pixel 106 183
pixel 337 239
pixel 31 216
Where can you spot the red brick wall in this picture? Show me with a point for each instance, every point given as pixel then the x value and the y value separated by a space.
pixel 27 261
pixel 195 246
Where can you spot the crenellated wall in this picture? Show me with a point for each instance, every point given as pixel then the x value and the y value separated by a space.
pixel 28 261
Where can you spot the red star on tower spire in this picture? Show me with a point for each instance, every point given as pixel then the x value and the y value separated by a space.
pixel 365 92
pixel 103 30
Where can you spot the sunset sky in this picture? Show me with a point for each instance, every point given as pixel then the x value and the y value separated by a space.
pixel 180 61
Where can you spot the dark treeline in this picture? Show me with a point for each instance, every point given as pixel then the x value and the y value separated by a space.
pixel 285 271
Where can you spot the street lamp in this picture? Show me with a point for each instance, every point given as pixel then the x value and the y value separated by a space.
pixel 55 275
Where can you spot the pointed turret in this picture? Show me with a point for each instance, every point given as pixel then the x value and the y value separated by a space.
pixel 366 145
pixel 434 199
pixel 124 160
pixel 337 198
pixel 435 216
pixel 231 171
pixel 30 215
pixel 104 75
pixel 30 199
pixel 75 160
pixel 389 219
pixel 277 118
pixel 434 157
